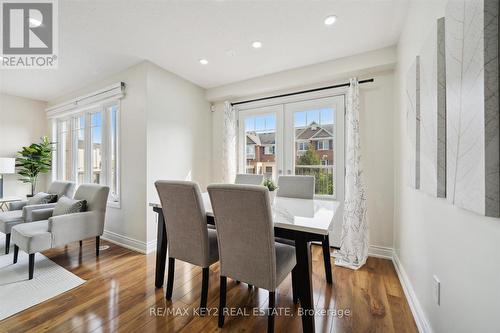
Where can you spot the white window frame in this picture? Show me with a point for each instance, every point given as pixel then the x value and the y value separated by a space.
pixel 266 106
pixel 114 200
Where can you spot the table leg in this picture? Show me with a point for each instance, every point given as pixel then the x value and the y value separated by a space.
pixel 161 250
pixel 304 271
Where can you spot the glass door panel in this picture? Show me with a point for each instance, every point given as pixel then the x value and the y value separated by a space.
pixel 260 142
pixel 314 142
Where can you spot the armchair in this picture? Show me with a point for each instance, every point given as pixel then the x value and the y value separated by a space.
pixel 54 231
pixel 20 212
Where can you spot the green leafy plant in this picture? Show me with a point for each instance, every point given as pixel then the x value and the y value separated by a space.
pixel 271 186
pixel 34 160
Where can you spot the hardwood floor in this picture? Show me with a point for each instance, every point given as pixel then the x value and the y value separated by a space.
pixel 119 296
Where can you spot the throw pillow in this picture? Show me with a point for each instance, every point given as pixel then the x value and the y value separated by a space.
pixel 42 198
pixel 66 205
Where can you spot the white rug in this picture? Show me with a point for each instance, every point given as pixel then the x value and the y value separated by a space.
pixel 17 293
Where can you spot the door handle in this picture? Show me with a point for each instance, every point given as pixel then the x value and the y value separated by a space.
pixel 288 172
pixel 280 172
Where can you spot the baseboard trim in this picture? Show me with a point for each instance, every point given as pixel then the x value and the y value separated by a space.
pixel 380 252
pixel 416 309
pixel 126 242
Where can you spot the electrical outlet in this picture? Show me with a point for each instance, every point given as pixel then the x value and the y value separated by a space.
pixel 437 289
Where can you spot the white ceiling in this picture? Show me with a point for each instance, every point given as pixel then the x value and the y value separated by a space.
pixel 98 38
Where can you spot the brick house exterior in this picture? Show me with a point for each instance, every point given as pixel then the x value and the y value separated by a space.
pixel 260 147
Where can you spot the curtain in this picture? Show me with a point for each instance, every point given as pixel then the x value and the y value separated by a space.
pixel 354 241
pixel 229 144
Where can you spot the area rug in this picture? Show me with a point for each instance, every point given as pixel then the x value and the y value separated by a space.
pixel 17 293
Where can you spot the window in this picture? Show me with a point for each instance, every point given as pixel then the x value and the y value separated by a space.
pixel 87 148
pixel 258 134
pixel 323 145
pixel 299 137
pixel 303 146
pixel 96 146
pixel 65 150
pixel 79 139
pixel 250 152
pixel 269 150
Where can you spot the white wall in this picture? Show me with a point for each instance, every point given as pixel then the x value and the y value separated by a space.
pixel 22 122
pixel 377 107
pixel 432 237
pixel 178 133
pixel 165 134
pixel 128 223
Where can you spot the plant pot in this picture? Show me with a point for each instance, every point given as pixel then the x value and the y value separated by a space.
pixel 272 195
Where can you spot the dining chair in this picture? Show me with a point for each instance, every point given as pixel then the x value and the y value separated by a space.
pixel 247 249
pixel 303 187
pixel 188 237
pixel 249 179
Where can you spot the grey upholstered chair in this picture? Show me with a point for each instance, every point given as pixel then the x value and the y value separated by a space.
pixel 247 249
pixel 20 212
pixel 60 230
pixel 249 179
pixel 188 237
pixel 303 187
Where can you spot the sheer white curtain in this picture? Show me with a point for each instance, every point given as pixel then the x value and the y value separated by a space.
pixel 354 242
pixel 229 144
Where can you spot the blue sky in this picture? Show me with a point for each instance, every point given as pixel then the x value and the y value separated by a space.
pixel 268 121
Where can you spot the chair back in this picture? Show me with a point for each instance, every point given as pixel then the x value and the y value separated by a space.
pixel 97 200
pixel 301 187
pixel 249 179
pixel 62 188
pixel 185 220
pixel 245 233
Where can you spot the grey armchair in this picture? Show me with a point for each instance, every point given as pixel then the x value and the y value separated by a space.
pixel 188 237
pixel 20 212
pixel 249 179
pixel 247 249
pixel 63 229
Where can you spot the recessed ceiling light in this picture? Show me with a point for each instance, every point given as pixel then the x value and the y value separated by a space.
pixel 329 20
pixel 203 61
pixel 256 45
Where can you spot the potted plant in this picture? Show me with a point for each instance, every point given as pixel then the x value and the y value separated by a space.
pixel 271 186
pixel 34 160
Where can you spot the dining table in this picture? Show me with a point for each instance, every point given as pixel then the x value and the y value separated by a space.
pixel 301 220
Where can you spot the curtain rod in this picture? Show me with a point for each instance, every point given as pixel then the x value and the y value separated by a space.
pixel 301 92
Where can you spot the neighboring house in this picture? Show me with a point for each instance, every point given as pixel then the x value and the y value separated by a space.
pixel 261 147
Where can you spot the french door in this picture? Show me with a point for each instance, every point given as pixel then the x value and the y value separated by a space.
pixel 297 138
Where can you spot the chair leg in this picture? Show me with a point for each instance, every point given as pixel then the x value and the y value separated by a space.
pixel 204 290
pixel 222 299
pixel 7 243
pixel 31 265
pixel 81 243
pixel 97 244
pixel 170 279
pixel 16 252
pixel 270 316
pixel 326 259
pixel 295 287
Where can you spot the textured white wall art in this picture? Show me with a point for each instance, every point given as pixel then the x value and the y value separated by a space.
pixel 432 80
pixel 471 39
pixel 413 123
